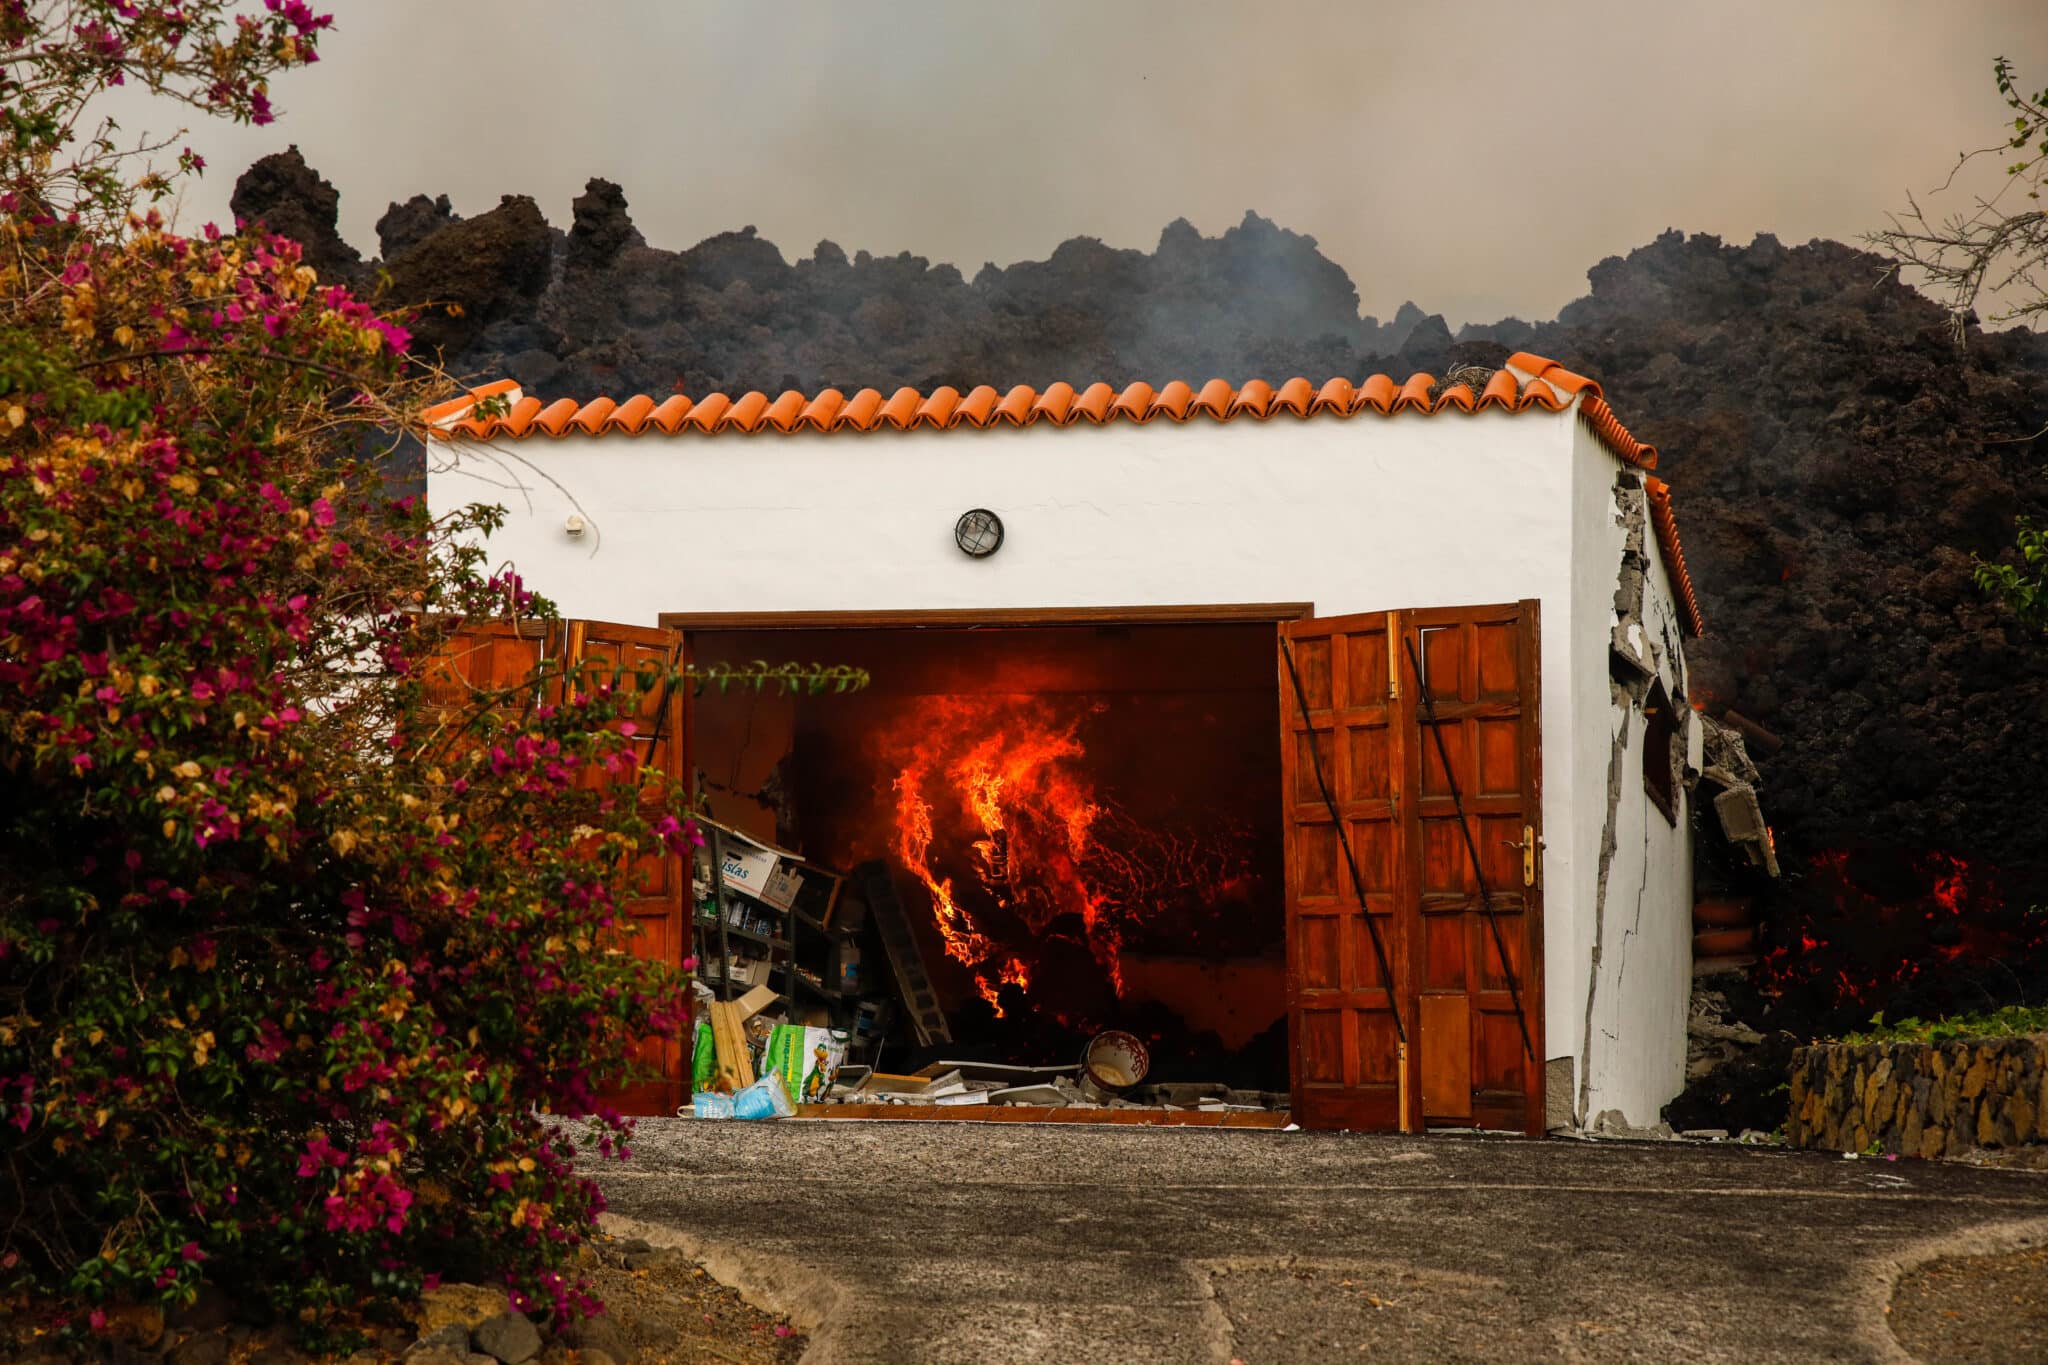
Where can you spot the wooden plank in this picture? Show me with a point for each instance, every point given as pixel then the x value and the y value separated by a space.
pixel 729 1038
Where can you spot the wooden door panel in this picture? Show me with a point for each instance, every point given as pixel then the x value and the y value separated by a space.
pixel 1398 799
pixel 1341 750
pixel 497 655
pixel 608 653
pixel 1445 1023
pixel 1480 667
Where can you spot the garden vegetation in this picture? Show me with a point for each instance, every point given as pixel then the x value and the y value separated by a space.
pixel 311 973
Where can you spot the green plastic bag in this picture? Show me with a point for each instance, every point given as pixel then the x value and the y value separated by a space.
pixel 704 1060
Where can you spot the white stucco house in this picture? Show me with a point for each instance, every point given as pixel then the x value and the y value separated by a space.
pixel 1495 932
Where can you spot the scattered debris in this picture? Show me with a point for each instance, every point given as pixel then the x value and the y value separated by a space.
pixel 1725 762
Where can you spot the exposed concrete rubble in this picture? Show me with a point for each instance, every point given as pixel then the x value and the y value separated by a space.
pixel 1727 764
pixel 1634 652
pixel 1711 1037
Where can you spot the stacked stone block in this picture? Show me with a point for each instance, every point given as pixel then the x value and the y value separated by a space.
pixel 1920 1099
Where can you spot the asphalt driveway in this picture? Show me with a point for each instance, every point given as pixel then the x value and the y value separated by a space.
pixel 907 1242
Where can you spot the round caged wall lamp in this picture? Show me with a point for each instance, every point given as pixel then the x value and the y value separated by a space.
pixel 978 533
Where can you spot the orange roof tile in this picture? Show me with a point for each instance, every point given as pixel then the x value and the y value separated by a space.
pixel 1527 383
pixel 1674 554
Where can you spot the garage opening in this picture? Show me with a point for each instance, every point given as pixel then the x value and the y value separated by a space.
pixel 1079 818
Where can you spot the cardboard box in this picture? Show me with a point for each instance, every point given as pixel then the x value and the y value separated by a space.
pixel 781 887
pixel 747 866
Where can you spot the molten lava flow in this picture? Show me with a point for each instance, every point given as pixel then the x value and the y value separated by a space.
pixel 997 787
pixel 1866 931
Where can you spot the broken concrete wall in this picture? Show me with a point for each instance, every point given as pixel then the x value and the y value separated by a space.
pixel 1629 897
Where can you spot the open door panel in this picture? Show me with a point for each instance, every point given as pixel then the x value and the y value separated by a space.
pixel 1404 795
pixel 495 655
pixel 659 891
pixel 1341 772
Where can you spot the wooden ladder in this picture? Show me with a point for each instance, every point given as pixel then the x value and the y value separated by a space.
pixel 906 962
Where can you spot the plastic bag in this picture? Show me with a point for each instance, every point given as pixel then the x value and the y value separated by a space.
pixel 707 1104
pixel 764 1099
pixel 703 1058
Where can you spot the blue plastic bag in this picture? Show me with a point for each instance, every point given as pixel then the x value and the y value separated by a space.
pixel 764 1099
pixel 709 1104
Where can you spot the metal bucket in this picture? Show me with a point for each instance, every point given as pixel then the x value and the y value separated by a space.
pixel 1112 1063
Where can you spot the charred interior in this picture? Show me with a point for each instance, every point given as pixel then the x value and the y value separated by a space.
pixel 1079 821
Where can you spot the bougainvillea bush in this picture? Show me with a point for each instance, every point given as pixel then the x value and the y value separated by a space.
pixel 301 966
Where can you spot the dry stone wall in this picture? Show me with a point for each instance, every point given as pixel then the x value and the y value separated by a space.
pixel 1920 1099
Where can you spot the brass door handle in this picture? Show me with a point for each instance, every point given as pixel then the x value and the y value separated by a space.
pixel 1527 843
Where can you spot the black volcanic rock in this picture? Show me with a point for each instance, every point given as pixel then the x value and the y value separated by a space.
pixel 1836 463
pixel 602 226
pixel 288 197
pixel 414 221
pixel 472 273
pixel 1427 346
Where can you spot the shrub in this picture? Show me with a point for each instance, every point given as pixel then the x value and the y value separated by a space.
pixel 296 960
pixel 2012 1021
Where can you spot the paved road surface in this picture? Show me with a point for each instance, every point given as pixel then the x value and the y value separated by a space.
pixel 904 1243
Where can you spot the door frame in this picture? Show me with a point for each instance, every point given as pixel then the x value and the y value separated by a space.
pixel 1278 614
pixel 956 618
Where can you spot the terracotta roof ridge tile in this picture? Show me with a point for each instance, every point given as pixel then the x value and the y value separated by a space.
pixel 1335 396
pixel 670 413
pixel 1502 391
pixel 1094 402
pixel 631 415
pixel 1214 399
pixel 1135 402
pixel 901 408
pixel 1457 396
pixel 1593 410
pixel 1256 398
pixel 709 414
pixel 554 419
pixel 1378 392
pixel 1525 381
pixel 1014 408
pixel 1172 400
pixel 1295 395
pixel 1053 405
pixel 1414 395
pixel 937 410
pixel 977 407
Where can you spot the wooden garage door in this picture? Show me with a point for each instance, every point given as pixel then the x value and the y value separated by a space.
pixel 658 893
pixel 1366 786
pixel 493 656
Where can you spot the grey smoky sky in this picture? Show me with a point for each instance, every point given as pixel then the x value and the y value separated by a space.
pixel 1476 157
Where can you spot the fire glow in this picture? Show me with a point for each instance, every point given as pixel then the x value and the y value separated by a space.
pixel 1859 944
pixel 998 815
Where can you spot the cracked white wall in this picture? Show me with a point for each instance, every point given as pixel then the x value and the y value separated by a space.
pixel 1629 898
